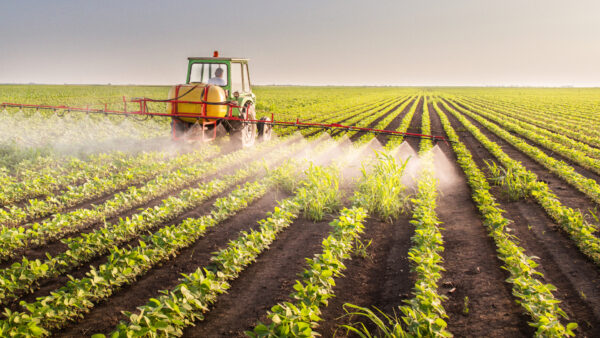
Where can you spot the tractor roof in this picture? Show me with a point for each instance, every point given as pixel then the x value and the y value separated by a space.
pixel 218 59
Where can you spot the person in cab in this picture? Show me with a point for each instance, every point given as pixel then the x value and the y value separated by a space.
pixel 218 78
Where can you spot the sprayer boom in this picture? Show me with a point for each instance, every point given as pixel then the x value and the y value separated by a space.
pixel 143 111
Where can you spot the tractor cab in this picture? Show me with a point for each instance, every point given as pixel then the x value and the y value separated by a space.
pixel 233 72
pixel 223 86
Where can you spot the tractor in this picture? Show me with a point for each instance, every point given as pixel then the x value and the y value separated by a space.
pixel 223 85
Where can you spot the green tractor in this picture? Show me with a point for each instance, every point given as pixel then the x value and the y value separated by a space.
pixel 223 86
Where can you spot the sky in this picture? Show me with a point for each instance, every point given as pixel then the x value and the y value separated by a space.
pixel 341 42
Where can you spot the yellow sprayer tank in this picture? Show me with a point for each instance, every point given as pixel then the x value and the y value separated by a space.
pixel 197 92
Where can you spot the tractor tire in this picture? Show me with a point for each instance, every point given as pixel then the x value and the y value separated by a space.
pixel 265 131
pixel 245 136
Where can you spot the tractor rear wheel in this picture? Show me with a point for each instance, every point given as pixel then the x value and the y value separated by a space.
pixel 264 130
pixel 246 134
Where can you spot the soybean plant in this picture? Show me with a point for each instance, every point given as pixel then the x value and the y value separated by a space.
pixel 381 191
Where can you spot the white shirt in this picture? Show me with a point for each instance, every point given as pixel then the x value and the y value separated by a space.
pixel 219 81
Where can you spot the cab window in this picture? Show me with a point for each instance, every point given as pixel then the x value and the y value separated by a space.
pixel 247 88
pixel 236 77
pixel 212 73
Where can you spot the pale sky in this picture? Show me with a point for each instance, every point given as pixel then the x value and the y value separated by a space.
pixel 421 42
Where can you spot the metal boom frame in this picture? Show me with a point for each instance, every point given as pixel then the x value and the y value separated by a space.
pixel 144 111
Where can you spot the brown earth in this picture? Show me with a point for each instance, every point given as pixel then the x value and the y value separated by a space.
pixel 575 276
pixel 392 110
pixel 479 302
pixel 107 314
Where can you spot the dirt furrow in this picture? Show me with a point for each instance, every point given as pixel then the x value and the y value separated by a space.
pixel 479 302
pixel 51 284
pixel 568 195
pixel 395 123
pixel 502 111
pixel 575 276
pixel 264 283
pixel 377 120
pixel 382 279
pixel 578 168
pixel 57 246
pixel 105 315
pixel 415 126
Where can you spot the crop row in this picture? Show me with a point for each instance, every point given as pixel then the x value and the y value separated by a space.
pixel 550 121
pixel 387 114
pixel 586 185
pixel 336 116
pixel 368 120
pixel 312 103
pixel 300 317
pixel 576 122
pixel 136 171
pixel 52 176
pixel 570 220
pixel 123 267
pixel 352 118
pixel 372 114
pixel 21 165
pixel 424 314
pixel 62 224
pixel 191 298
pixel 345 118
pixel 577 151
pixel 578 105
pixel 20 277
pixel 385 122
pixel 531 108
pixel 404 124
pixel 534 296
pixel 381 192
pixel 345 112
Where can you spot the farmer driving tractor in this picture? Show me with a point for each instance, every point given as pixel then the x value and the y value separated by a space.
pixel 218 78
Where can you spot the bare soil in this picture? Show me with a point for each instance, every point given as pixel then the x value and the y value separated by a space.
pixel 575 276
pixel 479 301
pixel 106 315
pixel 392 110
pixel 382 279
pixel 581 201
pixel 265 283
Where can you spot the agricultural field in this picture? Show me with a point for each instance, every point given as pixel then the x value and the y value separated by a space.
pixel 110 229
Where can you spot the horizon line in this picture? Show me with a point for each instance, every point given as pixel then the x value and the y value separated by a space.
pixel 315 85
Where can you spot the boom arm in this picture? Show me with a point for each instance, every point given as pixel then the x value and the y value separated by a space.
pixel 144 111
